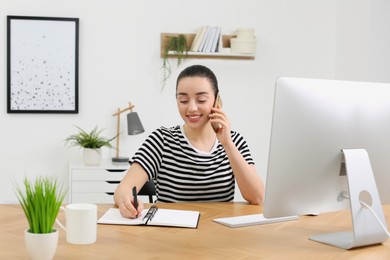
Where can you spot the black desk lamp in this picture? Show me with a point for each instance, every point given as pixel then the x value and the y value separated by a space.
pixel 134 127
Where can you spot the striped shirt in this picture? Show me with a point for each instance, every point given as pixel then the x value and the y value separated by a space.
pixel 183 173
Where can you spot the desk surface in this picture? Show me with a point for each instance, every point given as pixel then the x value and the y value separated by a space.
pixel 288 240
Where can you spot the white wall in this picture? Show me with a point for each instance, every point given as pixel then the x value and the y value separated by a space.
pixel 120 62
pixel 363 40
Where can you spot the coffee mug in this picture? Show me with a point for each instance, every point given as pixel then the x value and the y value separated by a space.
pixel 81 223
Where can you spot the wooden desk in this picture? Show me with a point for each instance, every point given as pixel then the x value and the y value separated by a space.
pixel 288 240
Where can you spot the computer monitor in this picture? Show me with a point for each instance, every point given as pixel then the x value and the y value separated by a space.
pixel 318 124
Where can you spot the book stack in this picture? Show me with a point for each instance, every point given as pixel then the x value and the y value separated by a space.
pixel 207 39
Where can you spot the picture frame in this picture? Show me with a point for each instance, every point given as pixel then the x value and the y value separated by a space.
pixel 42 64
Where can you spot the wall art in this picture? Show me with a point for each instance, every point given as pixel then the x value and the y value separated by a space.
pixel 42 64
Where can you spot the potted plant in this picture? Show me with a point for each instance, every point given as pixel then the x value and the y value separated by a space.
pixel 178 44
pixel 92 143
pixel 41 200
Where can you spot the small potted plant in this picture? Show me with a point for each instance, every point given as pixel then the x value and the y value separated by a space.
pixel 178 44
pixel 91 143
pixel 41 200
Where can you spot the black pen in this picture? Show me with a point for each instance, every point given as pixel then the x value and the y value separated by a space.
pixel 135 199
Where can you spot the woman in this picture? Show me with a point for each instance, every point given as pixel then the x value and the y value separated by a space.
pixel 193 162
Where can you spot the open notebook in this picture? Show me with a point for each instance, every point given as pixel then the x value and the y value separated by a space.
pixel 250 220
pixel 154 217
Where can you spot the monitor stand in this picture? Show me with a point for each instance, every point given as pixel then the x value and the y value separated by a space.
pixel 362 187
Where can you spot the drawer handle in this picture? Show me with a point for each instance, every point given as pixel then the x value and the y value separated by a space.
pixel 110 193
pixel 115 170
pixel 113 182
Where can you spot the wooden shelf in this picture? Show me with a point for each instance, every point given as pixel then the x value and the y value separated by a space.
pixel 204 55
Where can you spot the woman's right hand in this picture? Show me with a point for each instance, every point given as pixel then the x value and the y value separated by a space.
pixel 127 209
pixel 135 176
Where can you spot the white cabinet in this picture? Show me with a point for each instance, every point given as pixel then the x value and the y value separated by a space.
pixel 94 184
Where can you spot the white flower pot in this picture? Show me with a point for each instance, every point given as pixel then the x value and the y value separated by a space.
pixel 41 246
pixel 92 156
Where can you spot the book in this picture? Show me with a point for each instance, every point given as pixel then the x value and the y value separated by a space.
pixel 251 220
pixel 196 42
pixel 200 39
pixel 214 45
pixel 220 47
pixel 154 216
pixel 210 39
pixel 204 39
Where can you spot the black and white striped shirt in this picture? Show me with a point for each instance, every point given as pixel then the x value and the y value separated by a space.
pixel 183 173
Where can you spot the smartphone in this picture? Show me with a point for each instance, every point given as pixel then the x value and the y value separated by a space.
pixel 218 101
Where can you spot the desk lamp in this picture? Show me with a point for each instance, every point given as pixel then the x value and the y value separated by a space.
pixel 134 127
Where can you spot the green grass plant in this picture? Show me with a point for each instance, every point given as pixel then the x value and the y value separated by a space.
pixel 41 200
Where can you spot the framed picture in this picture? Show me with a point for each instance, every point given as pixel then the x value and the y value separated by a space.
pixel 42 64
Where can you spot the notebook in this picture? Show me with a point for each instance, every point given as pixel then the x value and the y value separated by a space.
pixel 154 216
pixel 250 220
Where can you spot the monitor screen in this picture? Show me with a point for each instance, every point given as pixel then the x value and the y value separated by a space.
pixel 313 120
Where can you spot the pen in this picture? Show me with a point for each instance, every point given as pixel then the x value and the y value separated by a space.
pixel 135 199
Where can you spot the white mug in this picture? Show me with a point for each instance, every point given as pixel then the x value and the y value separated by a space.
pixel 81 223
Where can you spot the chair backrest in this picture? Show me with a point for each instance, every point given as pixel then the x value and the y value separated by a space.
pixel 148 190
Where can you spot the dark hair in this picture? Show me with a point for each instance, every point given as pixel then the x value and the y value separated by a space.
pixel 199 71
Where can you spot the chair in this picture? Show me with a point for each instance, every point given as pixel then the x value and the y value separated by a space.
pixel 148 190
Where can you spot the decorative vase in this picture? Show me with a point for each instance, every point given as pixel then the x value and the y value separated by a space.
pixel 41 246
pixel 92 156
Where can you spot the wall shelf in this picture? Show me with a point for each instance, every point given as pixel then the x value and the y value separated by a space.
pixel 204 55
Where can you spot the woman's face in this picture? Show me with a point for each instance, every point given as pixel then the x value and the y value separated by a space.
pixel 195 98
